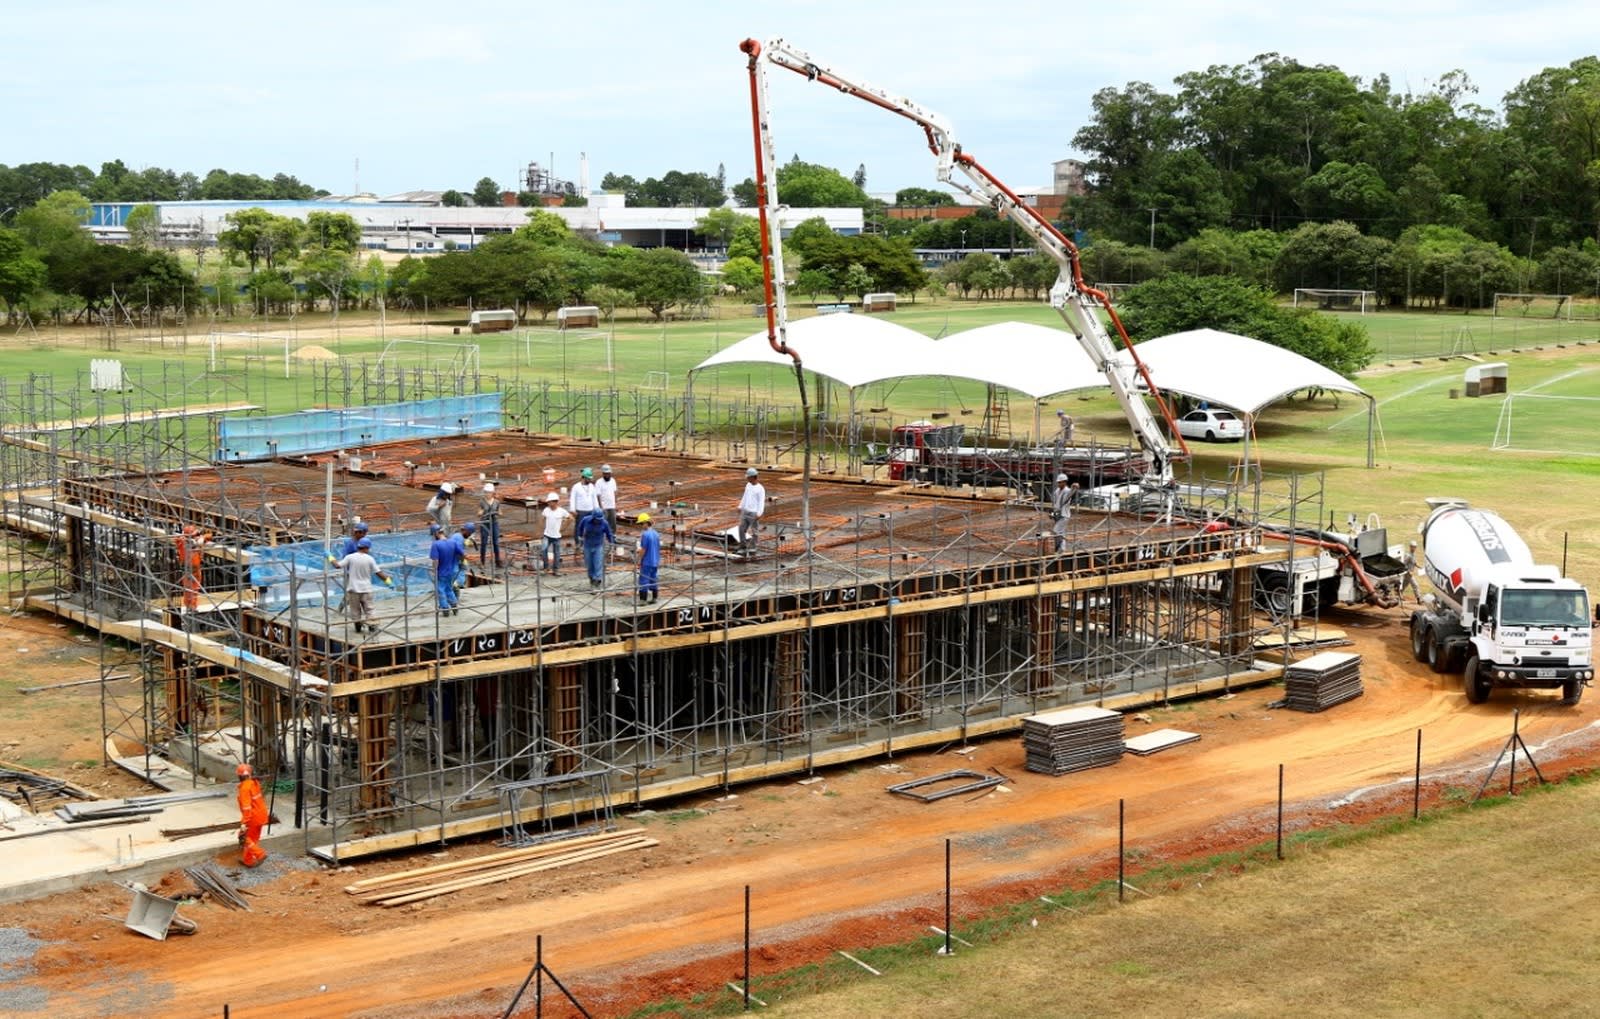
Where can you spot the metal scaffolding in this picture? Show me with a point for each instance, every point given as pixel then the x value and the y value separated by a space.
pixel 910 614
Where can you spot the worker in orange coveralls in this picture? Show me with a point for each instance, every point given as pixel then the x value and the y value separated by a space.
pixel 253 817
pixel 190 543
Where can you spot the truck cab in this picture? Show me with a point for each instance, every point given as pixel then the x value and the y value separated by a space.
pixel 1530 629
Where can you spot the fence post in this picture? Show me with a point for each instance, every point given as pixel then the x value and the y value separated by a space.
pixel 1416 790
pixel 947 947
pixel 1122 855
pixel 747 948
pixel 1280 811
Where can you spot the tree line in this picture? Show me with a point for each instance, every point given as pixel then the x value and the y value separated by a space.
pixel 28 183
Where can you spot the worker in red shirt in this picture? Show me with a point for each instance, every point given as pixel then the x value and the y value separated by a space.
pixel 253 817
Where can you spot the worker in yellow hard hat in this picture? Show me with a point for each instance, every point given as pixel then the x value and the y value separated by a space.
pixel 649 560
pixel 253 816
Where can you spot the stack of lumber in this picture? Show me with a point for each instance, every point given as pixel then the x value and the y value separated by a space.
pixel 1072 739
pixel 1158 740
pixel 1321 681
pixel 441 879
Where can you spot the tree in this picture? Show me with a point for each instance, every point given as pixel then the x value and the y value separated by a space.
pixel 746 241
pixel 859 178
pixel 1178 303
pixel 22 273
pixel 923 198
pixel 622 184
pixel 54 225
pixel 331 270
pixel 1570 270
pixel 452 199
pixel 677 189
pixel 658 278
pixel 743 275
pixel 486 192
pixel 809 186
pixel 1035 273
pixel 1335 255
pixel 745 194
pixel 855 280
pixel 545 228
pixel 808 236
pixel 259 236
pixel 722 224
pixel 812 282
pixel 143 226
pixel 334 231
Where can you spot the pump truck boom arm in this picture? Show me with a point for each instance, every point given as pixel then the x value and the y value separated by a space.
pixel 1076 301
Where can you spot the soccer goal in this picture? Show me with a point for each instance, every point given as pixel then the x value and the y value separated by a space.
pixel 458 359
pixel 1541 423
pixel 1557 306
pixel 1337 300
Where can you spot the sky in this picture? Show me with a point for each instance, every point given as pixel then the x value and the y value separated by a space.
pixel 438 95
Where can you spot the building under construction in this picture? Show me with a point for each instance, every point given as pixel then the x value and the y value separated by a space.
pixel 908 615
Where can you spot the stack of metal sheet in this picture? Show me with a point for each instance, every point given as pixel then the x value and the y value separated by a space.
pixel 1072 739
pixel 1321 681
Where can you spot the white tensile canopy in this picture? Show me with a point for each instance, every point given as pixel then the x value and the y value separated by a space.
pixel 1031 359
pixel 852 350
pixel 1234 371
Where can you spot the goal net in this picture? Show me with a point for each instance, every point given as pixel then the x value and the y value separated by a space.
pixel 458 359
pixel 1359 301
pixel 1533 306
pixel 1542 423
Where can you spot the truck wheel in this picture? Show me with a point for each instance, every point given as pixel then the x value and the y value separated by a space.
pixel 1475 684
pixel 1571 692
pixel 1438 654
pixel 1419 639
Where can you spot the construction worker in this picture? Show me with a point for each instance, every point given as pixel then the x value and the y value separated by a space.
pixel 593 533
pixel 359 568
pixel 253 816
pixel 358 530
pixel 553 515
pixel 464 541
pixel 606 489
pixel 752 506
pixel 1064 427
pixel 649 560
pixel 1408 582
pixel 441 505
pixel 189 545
pixel 585 496
pixel 446 557
pixel 489 523
pixel 1061 501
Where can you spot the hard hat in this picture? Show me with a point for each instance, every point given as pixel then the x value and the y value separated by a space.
pixel 643 518
pixel 469 527
pixel 605 468
pixel 552 497
pixel 447 487
pixel 243 771
pixel 587 472
pixel 750 472
pixel 434 528
pixel 364 543
pixel 488 486
pixel 361 525
pixel 1060 478
pixel 1413 544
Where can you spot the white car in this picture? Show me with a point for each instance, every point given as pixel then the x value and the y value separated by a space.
pixel 1211 425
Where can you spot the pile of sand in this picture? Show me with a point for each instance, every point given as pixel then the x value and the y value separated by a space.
pixel 313 352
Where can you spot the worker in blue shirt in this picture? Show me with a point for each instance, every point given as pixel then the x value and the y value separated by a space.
pixel 649 560
pixel 463 539
pixel 593 532
pixel 446 556
pixel 358 530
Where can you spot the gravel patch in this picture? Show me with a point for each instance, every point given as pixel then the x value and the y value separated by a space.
pixel 17 949
pixel 273 867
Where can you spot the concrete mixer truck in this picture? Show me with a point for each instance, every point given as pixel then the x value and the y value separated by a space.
pixel 1496 614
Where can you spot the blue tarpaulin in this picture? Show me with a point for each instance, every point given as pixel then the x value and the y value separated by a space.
pixel 315 431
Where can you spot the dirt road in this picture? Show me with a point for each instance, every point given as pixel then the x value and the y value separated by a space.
pixel 834 864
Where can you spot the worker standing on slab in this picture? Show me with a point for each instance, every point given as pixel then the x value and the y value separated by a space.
pixel 585 496
pixel 253 816
pixel 553 515
pixel 358 530
pixel 606 489
pixel 189 546
pixel 649 560
pixel 752 505
pixel 1064 427
pixel 593 533
pixel 359 568
pixel 441 505
pixel 446 559
pixel 489 523
pixel 464 540
pixel 1061 502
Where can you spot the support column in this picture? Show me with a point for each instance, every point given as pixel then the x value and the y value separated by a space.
pixel 261 721
pixel 910 652
pixel 375 724
pixel 790 668
pixel 1043 619
pixel 564 725
pixel 1241 602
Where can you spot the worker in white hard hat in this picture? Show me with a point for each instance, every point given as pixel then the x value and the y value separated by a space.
pixel 1408 581
pixel 606 489
pixel 554 514
pixel 489 525
pixel 441 505
pixel 1061 502
pixel 751 507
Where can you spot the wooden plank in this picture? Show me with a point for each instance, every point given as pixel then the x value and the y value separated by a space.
pixel 525 853
pixel 516 872
pixel 281 676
